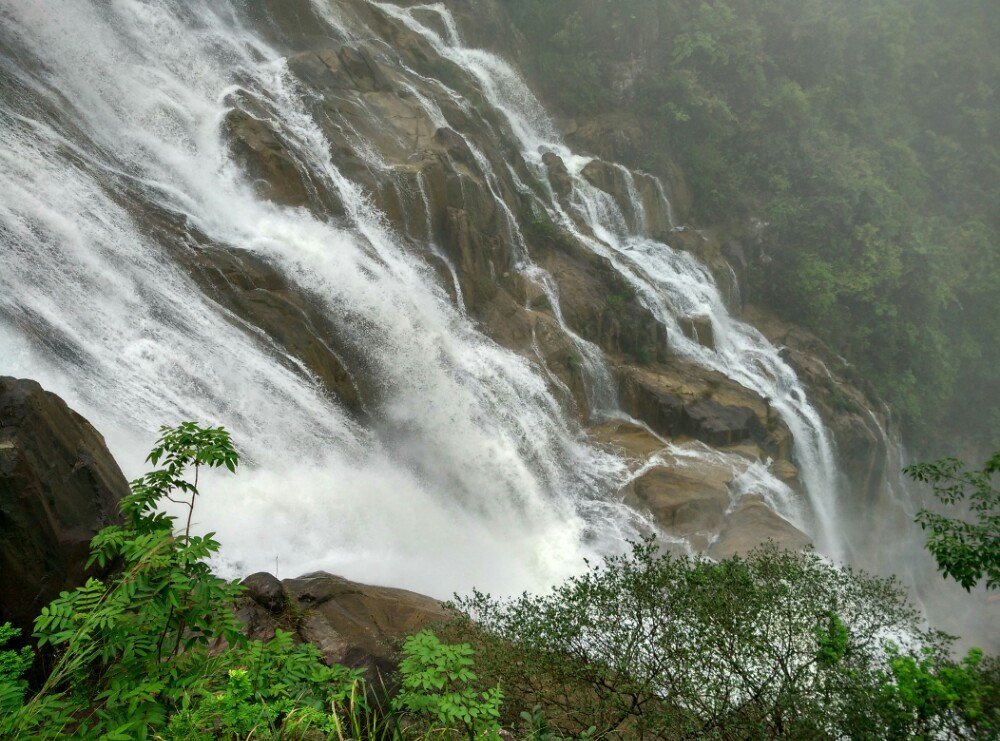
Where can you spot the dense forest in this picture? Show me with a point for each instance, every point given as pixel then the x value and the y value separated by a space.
pixel 861 134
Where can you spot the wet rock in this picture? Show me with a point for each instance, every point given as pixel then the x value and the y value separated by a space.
pixel 283 315
pixel 607 177
pixel 751 523
pixel 321 70
pixel 363 69
pixel 265 590
pixel 266 158
pixel 720 424
pixel 455 146
pixel 695 403
pixel 352 624
pixel 598 304
pixel 559 177
pixel 689 501
pixel 691 493
pixel 59 485
pixel 699 329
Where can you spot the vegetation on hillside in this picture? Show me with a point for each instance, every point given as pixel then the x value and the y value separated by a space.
pixel 778 644
pixel 643 645
pixel 864 134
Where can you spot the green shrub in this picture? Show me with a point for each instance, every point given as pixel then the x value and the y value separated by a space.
pixel 437 684
pixel 648 645
pixel 157 649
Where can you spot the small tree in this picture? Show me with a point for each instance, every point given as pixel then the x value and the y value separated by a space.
pixel 142 653
pixel 437 686
pixel 965 551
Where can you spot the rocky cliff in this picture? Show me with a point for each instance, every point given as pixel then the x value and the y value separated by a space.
pixel 449 174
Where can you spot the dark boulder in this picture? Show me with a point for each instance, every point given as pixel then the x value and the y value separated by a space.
pixel 58 486
pixel 681 401
pixel 265 590
pixel 559 176
pixel 267 159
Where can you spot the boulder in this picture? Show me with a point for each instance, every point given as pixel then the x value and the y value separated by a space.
pixel 678 401
pixel 353 624
pixel 265 590
pixel 267 159
pixel 277 312
pixel 559 177
pixel 59 485
pixel 689 492
pixel 751 523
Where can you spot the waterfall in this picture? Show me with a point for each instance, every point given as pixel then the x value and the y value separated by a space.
pixel 109 114
pixel 465 468
pixel 671 283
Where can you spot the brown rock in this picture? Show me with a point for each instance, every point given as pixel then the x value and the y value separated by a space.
pixel 265 590
pixel 358 624
pixel 266 159
pixel 752 523
pixel 59 485
pixel 713 410
pixel 699 329
pixel 559 177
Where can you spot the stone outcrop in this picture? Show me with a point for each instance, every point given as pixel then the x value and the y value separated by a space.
pixel 695 498
pixel 58 486
pixel 352 624
pixel 682 401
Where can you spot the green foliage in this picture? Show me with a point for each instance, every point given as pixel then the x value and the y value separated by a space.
pixel 157 648
pixel 967 552
pixel 647 645
pixel 13 666
pixel 437 682
pixel 935 698
pixel 832 640
pixel 862 133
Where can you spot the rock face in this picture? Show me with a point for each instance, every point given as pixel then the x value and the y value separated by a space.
pixel 697 496
pixel 352 624
pixel 58 486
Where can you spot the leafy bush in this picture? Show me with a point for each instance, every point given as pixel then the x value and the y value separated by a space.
pixel 437 684
pixel 648 645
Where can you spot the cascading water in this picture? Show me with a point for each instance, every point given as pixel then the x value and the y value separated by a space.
pixel 471 474
pixel 466 468
pixel 672 284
